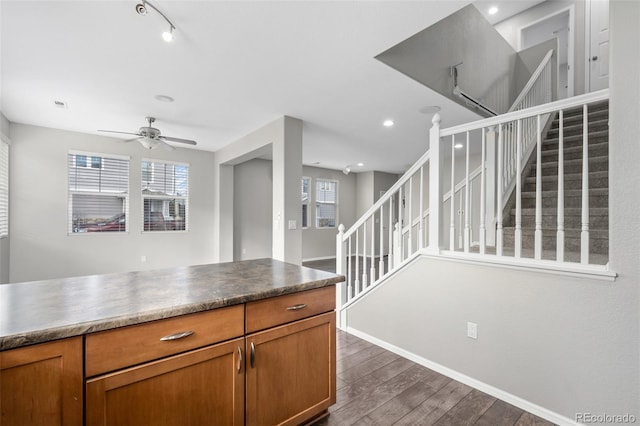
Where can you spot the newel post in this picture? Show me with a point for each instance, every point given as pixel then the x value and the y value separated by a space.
pixel 341 295
pixel 435 187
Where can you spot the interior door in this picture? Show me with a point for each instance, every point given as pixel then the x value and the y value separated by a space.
pixel 598 60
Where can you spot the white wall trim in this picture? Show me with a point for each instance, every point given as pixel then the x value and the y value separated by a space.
pixel 469 381
pixel 312 259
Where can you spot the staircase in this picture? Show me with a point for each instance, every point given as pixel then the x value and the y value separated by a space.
pixel 598 132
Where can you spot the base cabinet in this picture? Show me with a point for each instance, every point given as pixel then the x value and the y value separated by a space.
pixel 201 387
pixel 291 372
pixel 42 384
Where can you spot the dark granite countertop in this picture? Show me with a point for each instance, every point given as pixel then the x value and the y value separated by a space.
pixel 41 311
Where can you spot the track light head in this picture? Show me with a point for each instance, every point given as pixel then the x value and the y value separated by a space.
pixel 346 170
pixel 168 35
pixel 141 9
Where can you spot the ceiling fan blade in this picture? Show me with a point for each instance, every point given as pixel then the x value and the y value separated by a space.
pixel 124 133
pixel 170 139
pixel 165 145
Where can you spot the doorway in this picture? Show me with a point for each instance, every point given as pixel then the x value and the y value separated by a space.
pixel 555 26
pixel 597 20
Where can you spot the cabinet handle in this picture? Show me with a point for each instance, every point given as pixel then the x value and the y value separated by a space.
pixel 252 355
pixel 296 307
pixel 239 359
pixel 176 336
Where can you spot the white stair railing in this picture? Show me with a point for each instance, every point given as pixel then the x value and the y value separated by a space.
pixel 537 91
pixel 485 130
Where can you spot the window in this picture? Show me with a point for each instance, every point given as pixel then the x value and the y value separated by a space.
pixel 165 192
pixel 98 193
pixel 326 203
pixel 4 189
pixel 306 183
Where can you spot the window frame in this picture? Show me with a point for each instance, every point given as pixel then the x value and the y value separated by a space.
pixel 5 146
pixel 166 197
pixel 319 203
pixel 70 192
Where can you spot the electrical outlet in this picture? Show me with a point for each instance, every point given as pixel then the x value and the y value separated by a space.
pixel 472 330
pixel 143 259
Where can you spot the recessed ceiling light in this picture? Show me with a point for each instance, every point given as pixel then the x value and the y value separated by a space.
pixel 493 10
pixel 360 164
pixel 164 98
pixel 458 146
pixel 388 123
pixel 60 104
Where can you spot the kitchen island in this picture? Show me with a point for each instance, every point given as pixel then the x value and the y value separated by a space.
pixel 249 342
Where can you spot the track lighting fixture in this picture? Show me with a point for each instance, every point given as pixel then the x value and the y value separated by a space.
pixel 347 168
pixel 141 9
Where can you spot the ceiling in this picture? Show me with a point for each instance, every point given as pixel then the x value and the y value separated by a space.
pixel 233 67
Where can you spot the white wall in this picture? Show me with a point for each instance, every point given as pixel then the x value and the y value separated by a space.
pixel 321 243
pixel 253 200
pixel 40 245
pixel 569 345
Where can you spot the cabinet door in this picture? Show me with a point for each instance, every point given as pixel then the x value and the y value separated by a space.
pixel 42 384
pixel 291 371
pixel 201 387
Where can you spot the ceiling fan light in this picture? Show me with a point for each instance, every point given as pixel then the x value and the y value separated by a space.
pixel 149 143
pixel 168 35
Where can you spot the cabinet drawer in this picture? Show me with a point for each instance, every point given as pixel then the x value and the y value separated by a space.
pixel 123 347
pixel 278 310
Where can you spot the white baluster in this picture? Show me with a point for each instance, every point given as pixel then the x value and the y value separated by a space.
pixel 349 270
pixel 500 191
pixel 538 229
pixel 518 230
pixel 365 282
pixel 483 183
pixel 467 201
pixel 381 244
pixel 421 215
pixel 584 234
pixel 400 246
pixel 410 218
pixel 357 260
pixel 460 220
pixel 390 260
pixel 560 233
pixel 372 273
pixel 452 226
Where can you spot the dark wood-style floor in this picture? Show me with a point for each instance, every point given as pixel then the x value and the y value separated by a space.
pixel 378 387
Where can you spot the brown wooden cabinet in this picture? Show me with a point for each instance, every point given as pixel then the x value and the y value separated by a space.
pixel 291 372
pixel 291 366
pixel 42 384
pixel 200 387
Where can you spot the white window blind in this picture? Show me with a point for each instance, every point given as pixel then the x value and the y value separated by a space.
pixel 306 184
pixel 326 203
pixel 98 192
pixel 165 196
pixel 4 189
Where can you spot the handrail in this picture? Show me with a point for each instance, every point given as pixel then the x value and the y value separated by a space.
pixel 390 192
pixel 575 101
pixel 532 80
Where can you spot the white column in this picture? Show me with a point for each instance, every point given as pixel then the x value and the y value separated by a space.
pixel 435 186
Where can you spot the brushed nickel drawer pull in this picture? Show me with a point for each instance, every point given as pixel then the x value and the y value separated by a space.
pixel 252 355
pixel 177 336
pixel 239 359
pixel 296 307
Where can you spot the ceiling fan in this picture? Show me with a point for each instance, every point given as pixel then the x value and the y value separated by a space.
pixel 151 138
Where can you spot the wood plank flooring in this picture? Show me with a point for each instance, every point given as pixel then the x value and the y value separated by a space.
pixel 378 387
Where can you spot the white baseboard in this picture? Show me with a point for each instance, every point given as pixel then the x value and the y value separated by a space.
pixel 312 259
pixel 469 381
